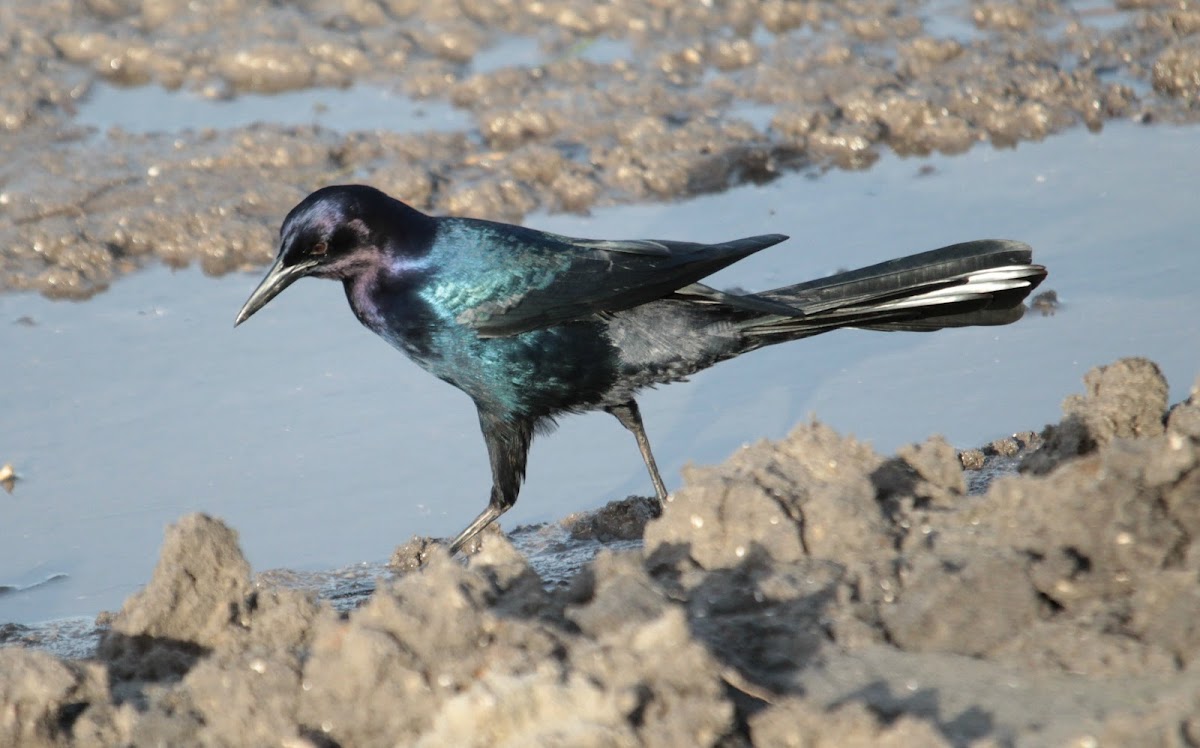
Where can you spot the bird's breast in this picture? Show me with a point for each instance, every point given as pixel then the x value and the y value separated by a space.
pixel 391 307
pixel 534 374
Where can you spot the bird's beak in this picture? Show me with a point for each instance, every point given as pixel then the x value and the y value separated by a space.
pixel 278 278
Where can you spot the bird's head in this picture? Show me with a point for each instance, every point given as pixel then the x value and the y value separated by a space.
pixel 336 232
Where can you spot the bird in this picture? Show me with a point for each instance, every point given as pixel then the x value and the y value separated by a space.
pixel 533 326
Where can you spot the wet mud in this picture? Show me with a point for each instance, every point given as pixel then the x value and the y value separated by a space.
pixel 805 592
pixel 571 105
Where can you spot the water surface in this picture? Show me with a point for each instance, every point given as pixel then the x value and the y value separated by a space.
pixel 325 448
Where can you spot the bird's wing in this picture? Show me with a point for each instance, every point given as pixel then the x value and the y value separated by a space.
pixel 564 279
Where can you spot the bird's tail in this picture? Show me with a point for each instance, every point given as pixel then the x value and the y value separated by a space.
pixel 974 283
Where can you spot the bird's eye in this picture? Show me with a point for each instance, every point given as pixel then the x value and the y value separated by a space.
pixel 319 248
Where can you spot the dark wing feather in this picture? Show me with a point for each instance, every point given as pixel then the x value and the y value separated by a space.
pixel 608 276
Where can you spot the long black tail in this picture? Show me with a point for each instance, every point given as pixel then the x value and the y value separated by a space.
pixel 974 283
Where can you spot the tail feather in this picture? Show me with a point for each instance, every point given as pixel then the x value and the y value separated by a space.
pixel 974 283
pixel 981 318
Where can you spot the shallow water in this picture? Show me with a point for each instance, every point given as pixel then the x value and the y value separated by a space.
pixel 144 109
pixel 325 448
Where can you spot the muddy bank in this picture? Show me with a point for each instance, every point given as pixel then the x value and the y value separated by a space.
pixel 805 592
pixel 571 105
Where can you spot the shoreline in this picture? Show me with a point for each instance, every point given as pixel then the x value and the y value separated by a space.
pixel 805 587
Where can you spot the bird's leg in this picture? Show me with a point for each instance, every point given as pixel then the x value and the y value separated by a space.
pixel 485 518
pixel 508 449
pixel 631 418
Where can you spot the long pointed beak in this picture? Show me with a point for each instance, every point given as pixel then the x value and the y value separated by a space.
pixel 278 278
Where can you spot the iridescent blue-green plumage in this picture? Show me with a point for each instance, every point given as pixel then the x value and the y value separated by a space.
pixel 532 325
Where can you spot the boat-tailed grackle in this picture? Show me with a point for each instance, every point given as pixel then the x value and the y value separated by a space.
pixel 533 325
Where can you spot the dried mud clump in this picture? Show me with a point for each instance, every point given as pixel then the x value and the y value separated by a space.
pixel 1126 399
pixel 1177 71
pixel 619 520
pixel 806 592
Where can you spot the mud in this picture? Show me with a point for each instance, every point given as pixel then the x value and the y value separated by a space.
pixel 617 102
pixel 806 592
